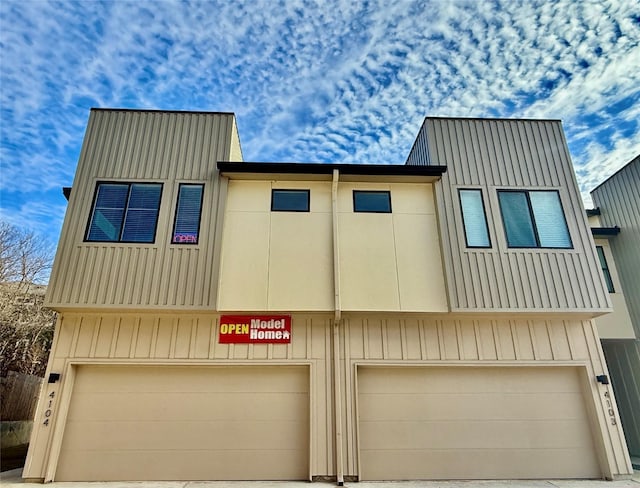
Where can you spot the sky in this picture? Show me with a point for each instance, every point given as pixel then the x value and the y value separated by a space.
pixel 310 81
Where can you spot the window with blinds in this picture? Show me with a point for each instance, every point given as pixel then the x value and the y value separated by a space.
pixel 186 227
pixel 474 218
pixel 124 212
pixel 534 218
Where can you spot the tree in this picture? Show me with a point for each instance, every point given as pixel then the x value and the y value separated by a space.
pixel 24 259
pixel 26 326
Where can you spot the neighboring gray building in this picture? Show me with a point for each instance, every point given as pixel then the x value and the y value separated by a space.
pixel 618 200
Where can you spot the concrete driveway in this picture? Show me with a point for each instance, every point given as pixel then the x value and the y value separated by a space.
pixel 12 479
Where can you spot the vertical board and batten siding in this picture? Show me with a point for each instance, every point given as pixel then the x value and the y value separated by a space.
pixel 170 339
pixel 623 359
pixel 509 154
pixel 149 146
pixel 619 201
pixel 139 339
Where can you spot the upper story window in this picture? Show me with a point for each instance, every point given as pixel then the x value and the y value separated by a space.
pixel 125 212
pixel 290 200
pixel 534 218
pixel 476 231
pixel 605 269
pixel 371 201
pixel 186 227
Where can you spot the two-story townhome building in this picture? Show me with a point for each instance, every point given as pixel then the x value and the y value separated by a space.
pixel 616 228
pixel 224 320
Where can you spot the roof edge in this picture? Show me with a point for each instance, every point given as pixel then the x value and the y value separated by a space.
pixel 156 110
pixel 628 163
pixel 327 168
pixel 509 119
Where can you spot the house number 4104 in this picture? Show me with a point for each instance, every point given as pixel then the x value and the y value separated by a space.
pixel 49 410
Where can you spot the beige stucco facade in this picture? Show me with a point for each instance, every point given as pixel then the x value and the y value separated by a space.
pixel 387 262
pixel 383 377
pixel 617 324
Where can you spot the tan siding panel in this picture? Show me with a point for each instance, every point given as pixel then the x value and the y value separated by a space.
pixel 87 326
pixel 125 336
pixel 623 358
pixel 619 201
pixel 524 154
pixel 134 146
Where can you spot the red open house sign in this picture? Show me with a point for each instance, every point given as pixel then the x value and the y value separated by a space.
pixel 255 329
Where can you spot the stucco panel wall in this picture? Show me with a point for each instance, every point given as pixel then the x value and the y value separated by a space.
pixel 617 324
pixel 391 261
pixel 276 260
pixel 284 260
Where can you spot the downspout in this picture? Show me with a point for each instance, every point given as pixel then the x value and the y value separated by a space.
pixel 337 386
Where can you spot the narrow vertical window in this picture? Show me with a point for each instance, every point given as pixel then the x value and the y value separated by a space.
pixel 186 228
pixel 476 231
pixel 605 269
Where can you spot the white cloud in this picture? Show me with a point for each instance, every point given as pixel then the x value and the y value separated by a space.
pixel 309 81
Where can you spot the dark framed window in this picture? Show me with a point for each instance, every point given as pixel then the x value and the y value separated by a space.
pixel 534 218
pixel 186 225
pixel 124 212
pixel 605 269
pixel 474 218
pixel 372 201
pixel 290 200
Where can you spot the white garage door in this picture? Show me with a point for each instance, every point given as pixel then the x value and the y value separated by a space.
pixel 473 423
pixel 187 423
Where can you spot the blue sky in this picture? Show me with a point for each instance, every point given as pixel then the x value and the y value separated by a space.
pixel 323 81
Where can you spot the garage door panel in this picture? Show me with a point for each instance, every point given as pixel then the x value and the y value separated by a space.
pixel 215 430
pixel 475 464
pixel 462 406
pixel 185 435
pixel 479 380
pixel 172 465
pixel 460 423
pixel 474 435
pixel 107 379
pixel 172 406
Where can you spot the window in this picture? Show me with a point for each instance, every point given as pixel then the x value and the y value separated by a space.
pixel 372 201
pixel 290 200
pixel 125 212
pixel 476 232
pixel 534 219
pixel 605 269
pixel 186 226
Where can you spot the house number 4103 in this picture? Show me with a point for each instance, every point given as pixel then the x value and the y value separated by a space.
pixel 49 410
